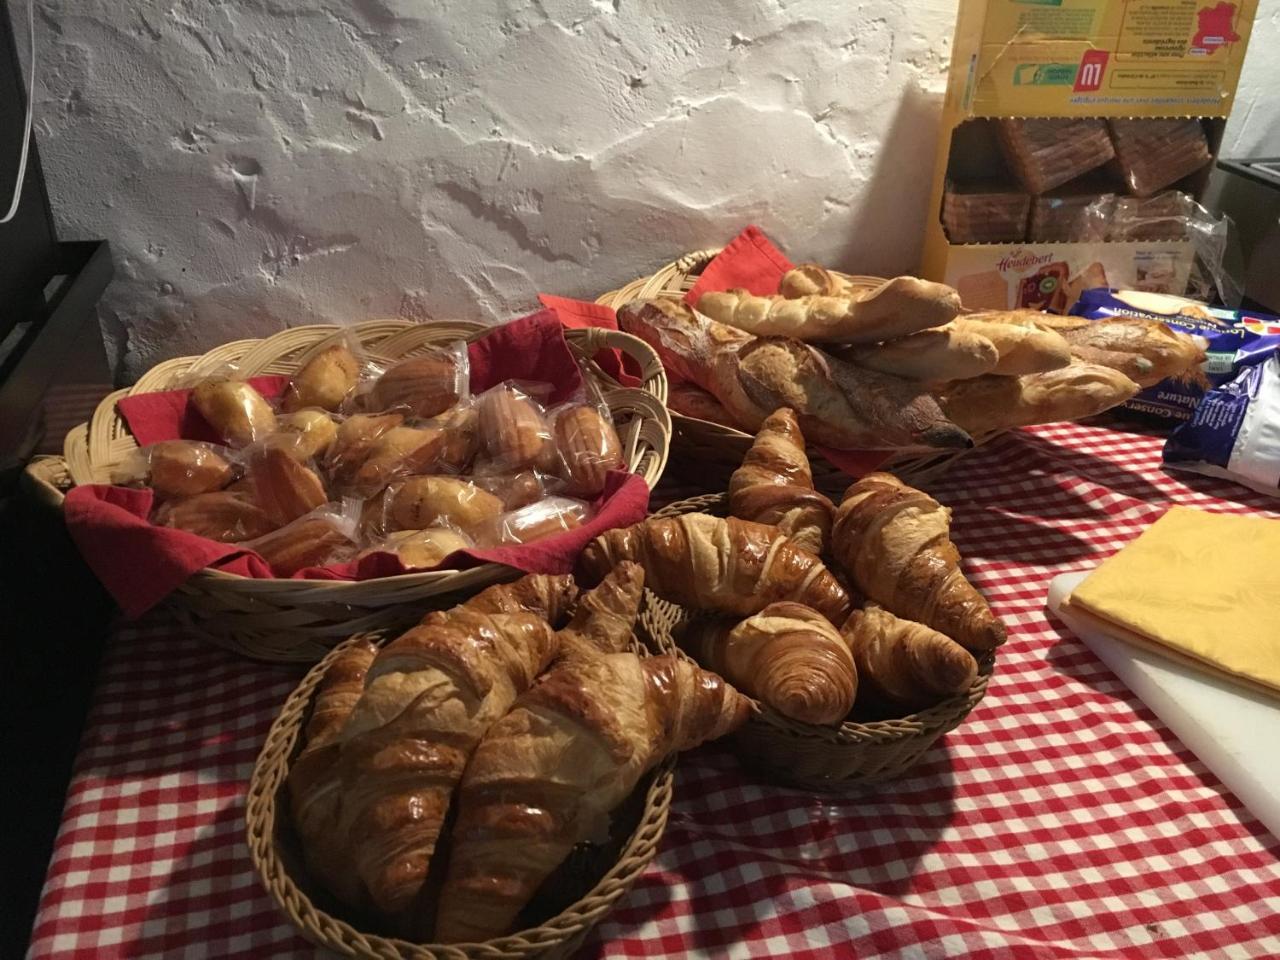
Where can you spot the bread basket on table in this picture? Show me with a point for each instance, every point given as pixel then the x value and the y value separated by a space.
pixel 587 886
pixel 713 450
pixel 816 757
pixel 299 620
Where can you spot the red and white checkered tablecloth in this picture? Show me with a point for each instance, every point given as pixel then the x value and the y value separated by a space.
pixel 1061 820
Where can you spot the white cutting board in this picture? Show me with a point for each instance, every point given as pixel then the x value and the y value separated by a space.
pixel 1235 732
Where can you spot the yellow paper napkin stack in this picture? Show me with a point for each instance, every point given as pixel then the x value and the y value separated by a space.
pixel 1201 587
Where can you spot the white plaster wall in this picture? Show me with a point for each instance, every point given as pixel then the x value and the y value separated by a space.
pixel 259 164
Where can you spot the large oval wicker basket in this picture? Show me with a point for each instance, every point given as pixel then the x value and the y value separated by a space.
pixel 299 620
pixel 587 887
pixel 715 451
pixel 817 757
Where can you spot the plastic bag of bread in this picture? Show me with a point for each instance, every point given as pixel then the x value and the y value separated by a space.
pixel 587 446
pixel 329 375
pixel 304 434
pixel 178 468
pixel 284 486
pixel 536 522
pixel 423 385
pixel 223 515
pixel 515 433
pixel 236 411
pixel 421 549
pixel 326 535
pixel 420 502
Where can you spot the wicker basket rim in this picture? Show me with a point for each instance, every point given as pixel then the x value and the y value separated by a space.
pixel 267 781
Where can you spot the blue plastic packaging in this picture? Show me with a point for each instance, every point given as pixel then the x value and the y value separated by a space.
pixel 1230 336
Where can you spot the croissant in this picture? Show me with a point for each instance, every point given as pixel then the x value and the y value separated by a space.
pixel 549 773
pixel 894 543
pixel 896 308
pixel 904 663
pixel 429 697
pixel 787 656
pixel 774 485
pixel 707 562
pixel 606 616
pixel 549 597
pixel 314 781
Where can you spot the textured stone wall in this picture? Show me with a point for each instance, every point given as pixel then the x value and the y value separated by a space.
pixel 258 164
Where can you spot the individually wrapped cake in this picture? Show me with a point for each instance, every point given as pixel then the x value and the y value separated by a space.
pixel 424 385
pixel 325 535
pixel 328 378
pixel 435 501
pixel 985 212
pixel 234 409
pixel 1153 154
pixel 1047 152
pixel 421 549
pixel 178 468
pixel 515 433
pixel 588 447
pixel 223 515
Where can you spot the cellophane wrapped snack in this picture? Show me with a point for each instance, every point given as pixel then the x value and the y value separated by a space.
pixel 537 521
pixel 330 376
pixel 178 468
pixel 424 385
pixel 326 535
pixel 587 446
pixel 515 433
pixel 421 549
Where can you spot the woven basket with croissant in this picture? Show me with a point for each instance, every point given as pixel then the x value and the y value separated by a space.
pixel 299 620
pixel 555 777
pixel 826 756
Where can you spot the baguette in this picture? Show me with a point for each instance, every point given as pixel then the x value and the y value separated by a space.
pixel 1080 390
pixel 690 401
pixel 951 352
pixel 896 308
pixel 697 350
pixel 1021 344
pixel 840 405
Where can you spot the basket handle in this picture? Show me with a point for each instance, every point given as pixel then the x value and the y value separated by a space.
pixel 588 341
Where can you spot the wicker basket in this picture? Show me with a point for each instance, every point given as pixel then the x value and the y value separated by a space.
pixel 715 451
pixel 299 620
pixel 588 887
pixel 815 757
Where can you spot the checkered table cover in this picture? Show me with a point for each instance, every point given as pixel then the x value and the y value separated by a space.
pixel 1061 820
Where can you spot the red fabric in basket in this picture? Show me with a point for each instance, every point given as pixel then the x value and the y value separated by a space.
pixel 140 564
pixel 168 414
pixel 580 314
pixel 750 262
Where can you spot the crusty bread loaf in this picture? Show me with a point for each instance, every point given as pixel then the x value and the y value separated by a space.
pixel 1076 391
pixel 1022 346
pixel 950 352
pixel 840 405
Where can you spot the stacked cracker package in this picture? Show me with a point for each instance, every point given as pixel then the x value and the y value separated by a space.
pixel 1077 137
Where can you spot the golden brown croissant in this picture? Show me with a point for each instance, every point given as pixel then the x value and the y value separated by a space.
pixel 606 616
pixel 549 596
pixel 429 697
pixel 774 485
pixel 713 563
pixel 894 543
pixel 314 780
pixel 549 773
pixel 787 656
pixel 896 308
pixel 904 663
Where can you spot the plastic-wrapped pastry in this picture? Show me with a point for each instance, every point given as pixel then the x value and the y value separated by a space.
pixel 422 549
pixel 427 384
pixel 233 408
pixel 537 521
pixel 324 536
pixel 514 432
pixel 589 448
pixel 178 468
pixel 325 381
pixel 421 502
pixel 222 515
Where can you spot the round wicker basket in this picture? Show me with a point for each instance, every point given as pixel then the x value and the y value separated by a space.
pixel 715 451
pixel 587 888
pixel 299 620
pixel 815 757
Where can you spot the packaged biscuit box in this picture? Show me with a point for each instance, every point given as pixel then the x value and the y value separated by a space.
pixel 1078 136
